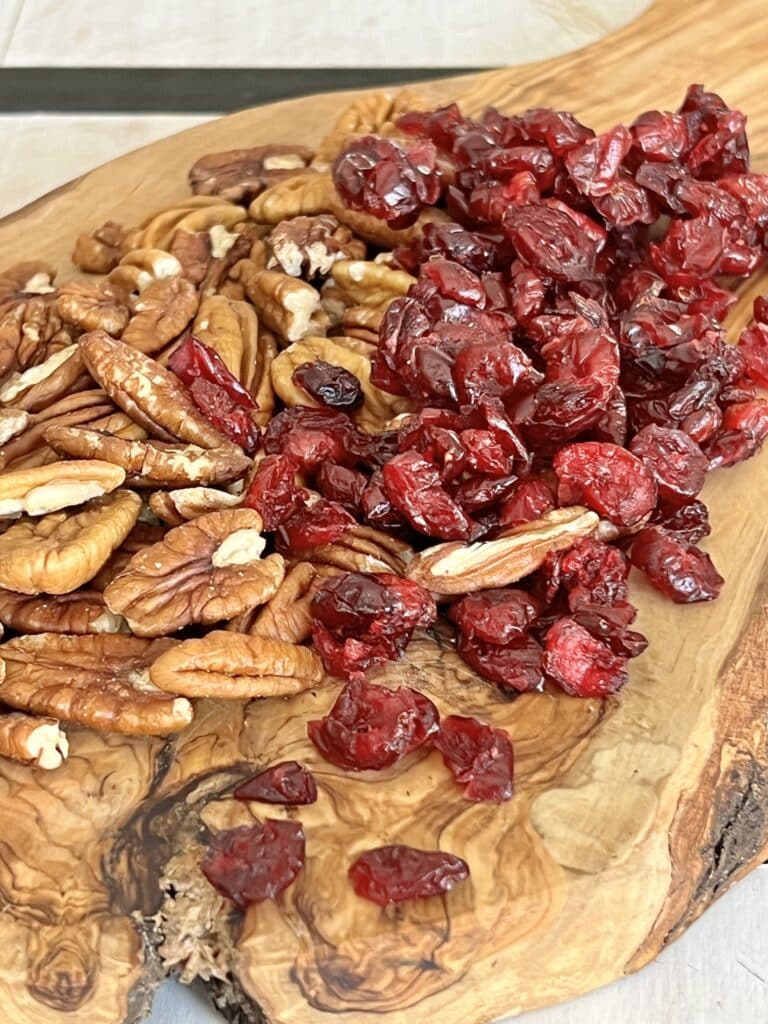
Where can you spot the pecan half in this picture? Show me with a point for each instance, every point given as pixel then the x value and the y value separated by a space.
pixel 285 304
pixel 39 386
pixel 372 113
pixel 362 323
pixel 141 536
pixel 151 395
pixel 231 330
pixel 83 611
pixel 151 463
pixel 32 740
pixel 235 666
pixel 456 568
pixel 99 681
pixel 365 283
pixel 60 552
pixel 197 213
pixel 101 250
pixel 92 307
pixel 306 246
pixel 13 422
pixel 82 407
pixel 206 570
pixel 160 314
pixel 59 485
pixel 240 174
pixel 177 507
pixel 193 251
pixel 17 283
pixel 364 549
pixel 287 616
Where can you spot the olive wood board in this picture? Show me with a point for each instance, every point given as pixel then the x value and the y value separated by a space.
pixel 630 817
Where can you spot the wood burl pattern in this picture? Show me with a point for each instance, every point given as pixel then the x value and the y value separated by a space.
pixel 630 815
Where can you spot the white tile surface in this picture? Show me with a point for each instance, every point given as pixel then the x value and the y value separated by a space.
pixel 300 33
pixel 717 973
pixel 10 11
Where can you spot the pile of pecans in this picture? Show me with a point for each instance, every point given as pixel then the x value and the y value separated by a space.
pixel 332 390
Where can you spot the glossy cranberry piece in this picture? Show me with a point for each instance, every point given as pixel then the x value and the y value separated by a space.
pixel 677 464
pixel 594 573
pixel 478 756
pixel 310 526
pixel 193 359
pixel 609 624
pixel 744 429
pixel 594 165
pixel 753 344
pixel 331 386
pixel 497 616
pixel 678 569
pixel 514 666
pixel 487 369
pixel 371 727
pixel 394 874
pixel 253 863
pixel 661 135
pixel 689 523
pixel 606 478
pixel 310 436
pixel 341 484
pixel 550 242
pixel 529 499
pixel 232 420
pixel 413 486
pixel 580 664
pixel 287 783
pixel 273 490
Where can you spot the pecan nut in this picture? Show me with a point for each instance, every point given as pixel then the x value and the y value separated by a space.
pixel 285 304
pixel 141 536
pixel 197 213
pixel 457 568
pixel 83 611
pixel 17 283
pixel 59 552
pixel 240 174
pixel 231 330
pixel 306 246
pixel 150 394
pixel 372 113
pixel 160 314
pixel 206 571
pixel 140 268
pixel 287 615
pixel 58 485
pixel 179 506
pixel 193 250
pixel 365 283
pixel 13 422
pixel 41 385
pixel 82 407
pixel 32 740
pixel 101 250
pixel 92 307
pixel 236 666
pixel 98 681
pixel 364 549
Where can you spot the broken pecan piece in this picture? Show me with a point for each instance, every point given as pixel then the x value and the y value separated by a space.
pixel 98 681
pixel 306 246
pixel 240 174
pixel 160 314
pixel 365 283
pixel 287 615
pixel 92 307
pixel 32 740
pixel 179 506
pixel 236 666
pixel 285 304
pixel 151 463
pixel 101 251
pixel 151 395
pixel 83 611
pixel 17 283
pixel 457 568
pixel 60 552
pixel 59 485
pixel 207 570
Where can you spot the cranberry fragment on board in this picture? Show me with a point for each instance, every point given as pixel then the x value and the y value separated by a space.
pixel 478 756
pixel 254 863
pixel 287 783
pixel 606 478
pixel 677 568
pixel 579 663
pixel 394 874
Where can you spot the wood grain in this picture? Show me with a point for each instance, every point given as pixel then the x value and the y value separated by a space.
pixel 630 817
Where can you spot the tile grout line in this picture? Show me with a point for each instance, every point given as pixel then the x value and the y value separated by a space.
pixel 5 45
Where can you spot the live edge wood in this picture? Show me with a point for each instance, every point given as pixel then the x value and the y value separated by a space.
pixel 630 817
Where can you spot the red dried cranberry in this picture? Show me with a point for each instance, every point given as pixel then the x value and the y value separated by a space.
pixel 753 344
pixel 606 478
pixel 193 359
pixel 376 507
pixel 478 756
pixel 455 282
pixel 310 436
pixel 689 523
pixel 529 500
pixel 393 874
pixel 744 428
pixel 661 135
pixel 273 490
pixel 370 727
pixel 497 616
pixel 678 569
pixel 331 386
pixel 594 573
pixel 516 665
pixel 254 862
pixel 580 664
pixel 341 484
pixel 489 369
pixel 286 783
pixel 550 242
pixel 310 526
pixel 594 165
pixel 413 486
pixel 610 626
pixel 677 464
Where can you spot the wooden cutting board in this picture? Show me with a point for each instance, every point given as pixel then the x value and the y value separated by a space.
pixel 631 815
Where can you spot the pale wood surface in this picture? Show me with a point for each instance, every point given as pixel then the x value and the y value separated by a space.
pixel 631 817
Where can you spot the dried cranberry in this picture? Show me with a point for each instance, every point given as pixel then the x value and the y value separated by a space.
pixel 594 165
pixel 331 386
pixel 580 664
pixel 273 490
pixel 413 486
pixel 342 485
pixel 254 862
pixel 478 756
pixel 516 665
pixel 610 626
pixel 661 135
pixel 753 344
pixel 594 573
pixel 376 507
pixel 678 569
pixel 310 436
pixel 551 242
pixel 489 369
pixel 286 783
pixel 744 428
pixel 689 523
pixel 497 616
pixel 310 526
pixel 677 464
pixel 529 500
pixel 393 874
pixel 606 478
pixel 370 727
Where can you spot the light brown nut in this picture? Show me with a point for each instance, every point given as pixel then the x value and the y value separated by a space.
pixel 177 507
pixel 363 322
pixel 32 740
pixel 140 268
pixel 101 250
pixel 17 283
pixel 98 681
pixel 206 571
pixel 306 246
pixel 92 307
pixel 40 386
pixel 366 283
pixel 283 303
pixel 13 422
pixel 29 333
pixel 231 329
pixel 60 552
pixel 83 611
pixel 235 666
pixel 262 389
pixel 151 463
pixel 150 394
pixel 120 424
pixel 370 114
pixel 160 314
pixel 456 568
pixel 240 174
pixel 193 251
pixel 82 407
pixel 59 485
pixel 196 213
pixel 288 615
pixel 143 535
pixel 364 549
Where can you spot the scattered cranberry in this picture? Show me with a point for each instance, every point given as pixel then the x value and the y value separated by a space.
pixel 608 479
pixel 372 727
pixel 254 863
pixel 286 783
pixel 310 526
pixel 310 436
pixel 413 485
pixel 393 874
pixel 527 501
pixel 342 485
pixel 594 573
pixel 332 386
pixel 497 616
pixel 478 756
pixel 676 463
pixel 514 666
pixel 273 490
pixel 678 569
pixel 579 663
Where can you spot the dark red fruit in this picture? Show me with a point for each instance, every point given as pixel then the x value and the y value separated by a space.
pixel 677 464
pixel 594 165
pixel 497 616
pixel 331 386
pixel 193 359
pixel 606 478
pixel 594 573
pixel 309 526
pixel 516 665
pixel 479 757
pixel 370 727
pixel 487 369
pixel 678 569
pixel 342 485
pixel 551 242
pixel 609 624
pixel 310 436
pixel 287 783
pixel 273 490
pixel 580 664
pixel 529 500
pixel 393 874
pixel 413 486
pixel 689 523
pixel 254 863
